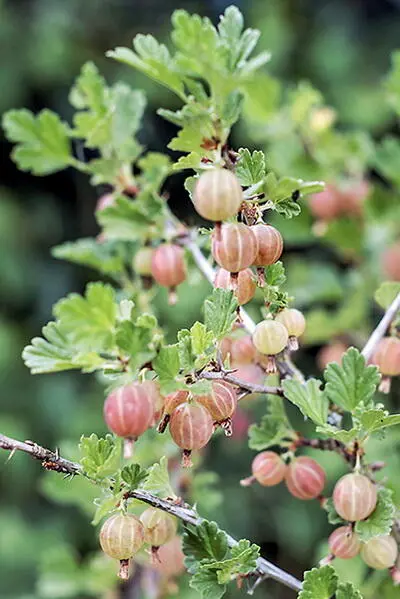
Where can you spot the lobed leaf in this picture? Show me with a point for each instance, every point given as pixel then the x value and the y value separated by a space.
pixel 319 583
pixel 309 398
pixel 380 522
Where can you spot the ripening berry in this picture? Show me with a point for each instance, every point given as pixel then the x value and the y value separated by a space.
pixel 352 198
pixel 242 351
pixel 391 262
pixel 331 353
pixel 191 427
pixel 221 404
pixel 295 324
pixel 354 497
pixel 105 201
pixel 244 287
pixel 269 244
pixel 171 401
pixel 129 410
pixel 121 536
pixel 225 347
pixel 305 479
pixel 380 552
pixel 217 195
pixel 250 373
pixel 387 358
pixel 344 542
pixel 236 249
pixel 153 389
pixel 142 261
pixel 159 527
pixel 168 267
pixel 171 558
pixel 326 205
pixel 270 338
pixel 268 469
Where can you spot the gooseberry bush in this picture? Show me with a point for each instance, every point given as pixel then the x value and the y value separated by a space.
pixel 176 395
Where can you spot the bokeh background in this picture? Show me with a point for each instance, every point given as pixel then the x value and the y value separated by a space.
pixel 343 47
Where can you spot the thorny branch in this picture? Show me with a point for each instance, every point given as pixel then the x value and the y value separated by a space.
pixel 265 569
pixel 231 378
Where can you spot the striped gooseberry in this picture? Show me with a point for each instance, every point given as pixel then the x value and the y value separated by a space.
pixel 159 528
pixel 171 402
pixel 221 404
pixel 391 262
pixel 217 195
pixel 331 353
pixel 295 324
pixel 168 267
pixel 142 261
pixel 267 468
pixel 380 552
pixel 171 558
pixel 269 244
pixel 354 497
pixel 236 248
pixel 387 358
pixel 191 427
pixel 243 286
pixel 242 351
pixel 121 536
pixel 270 338
pixel 153 389
pixel 326 205
pixel 305 478
pixel 344 543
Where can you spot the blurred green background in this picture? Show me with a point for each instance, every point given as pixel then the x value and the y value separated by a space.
pixel 343 47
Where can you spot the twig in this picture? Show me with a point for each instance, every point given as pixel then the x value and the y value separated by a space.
pixel 265 568
pixel 230 378
pixel 328 445
pixel 381 329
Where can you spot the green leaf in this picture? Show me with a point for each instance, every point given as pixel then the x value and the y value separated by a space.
pixel 380 522
pixel 271 431
pixel 89 321
pixel 386 293
pixel 275 274
pixel 285 193
pixel 250 168
pixel 392 82
pixel 346 590
pixel 157 481
pixel 201 338
pixel 100 457
pixel 89 252
pixel 377 419
pixel 155 167
pixel 387 158
pixel 105 506
pixel 309 398
pixel 319 583
pixel 205 582
pixel 129 220
pixel 220 312
pixel 242 560
pixel 205 541
pixel 333 516
pixel 345 436
pixel 43 145
pixel 352 381
pixel 133 475
pixel 167 364
pixel 137 340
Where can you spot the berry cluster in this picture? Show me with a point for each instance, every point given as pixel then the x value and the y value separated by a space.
pixel 335 201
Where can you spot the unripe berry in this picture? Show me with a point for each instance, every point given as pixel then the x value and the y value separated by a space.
pixel 354 497
pixel 217 195
pixel 105 201
pixel 168 267
pixel 344 543
pixel 269 244
pixel 295 324
pixel 268 469
pixel 326 205
pixel 121 536
pixel 380 552
pixel 171 558
pixel 270 338
pixel 221 404
pixel 171 402
pixel 242 351
pixel 244 287
pixel 331 353
pixel 387 358
pixel 129 410
pixel 237 247
pixel 391 262
pixel 191 427
pixel 305 479
pixel 159 527
pixel 142 261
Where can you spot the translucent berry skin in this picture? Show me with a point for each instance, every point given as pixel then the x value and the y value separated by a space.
pixel 391 262
pixel 293 320
pixel 121 536
pixel 236 248
pixel 171 558
pixel 326 205
pixel 344 543
pixel 354 497
pixel 305 479
pixel 243 351
pixel 221 403
pixel 105 201
pixel 270 337
pixel 387 356
pixel 173 400
pixel 269 244
pixel 168 265
pixel 268 468
pixel 380 552
pixel 129 410
pixel 217 195
pixel 331 353
pixel 142 261
pixel 191 426
pixel 159 527
pixel 244 288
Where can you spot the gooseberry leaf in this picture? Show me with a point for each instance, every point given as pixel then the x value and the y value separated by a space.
pixel 386 293
pixel 157 480
pixel 91 253
pixel 271 431
pixel 220 312
pixel 205 582
pixel 100 456
pixel 203 542
pixel 346 590
pixel 309 398
pixel 250 167
pixel 319 583
pixel 380 522
pixel 134 475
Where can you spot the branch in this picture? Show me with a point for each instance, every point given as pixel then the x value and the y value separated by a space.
pixel 381 329
pixel 230 378
pixel 52 461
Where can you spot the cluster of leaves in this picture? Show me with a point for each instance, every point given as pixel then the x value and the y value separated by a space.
pixel 323 583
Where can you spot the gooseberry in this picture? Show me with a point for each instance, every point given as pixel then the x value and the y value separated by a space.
pixel 380 552
pixel 170 560
pixel 142 261
pixel 269 244
pixel 326 205
pixel 354 497
pixel 270 338
pixel 159 528
pixel 242 351
pixel 387 358
pixel 295 324
pixel 236 249
pixel 344 542
pixel 221 404
pixel 267 468
pixel 129 410
pixel 244 286
pixel 191 427
pixel 331 353
pixel 168 267
pixel 305 478
pixel 121 536
pixel 171 401
pixel 217 195
pixel 391 262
